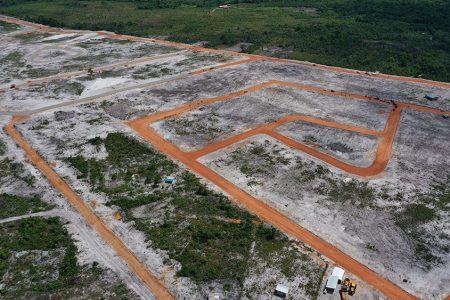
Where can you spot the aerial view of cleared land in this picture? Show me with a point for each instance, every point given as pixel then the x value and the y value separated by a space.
pixel 144 168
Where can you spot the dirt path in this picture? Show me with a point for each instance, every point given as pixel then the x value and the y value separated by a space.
pixel 264 211
pixel 250 56
pixel 269 214
pixel 73 74
pixel 269 130
pixel 135 265
pixel 383 152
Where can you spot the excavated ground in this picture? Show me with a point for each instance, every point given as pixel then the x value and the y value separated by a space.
pixel 395 222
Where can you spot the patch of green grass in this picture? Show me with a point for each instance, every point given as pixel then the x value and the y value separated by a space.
pixel 127 161
pixel 9 167
pixel 31 234
pixel 415 214
pixel 6 27
pixel 354 192
pixel 47 266
pixel 439 196
pixel 31 36
pixel 15 58
pixel 13 205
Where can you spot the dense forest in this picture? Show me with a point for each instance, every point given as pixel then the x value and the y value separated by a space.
pixel 405 37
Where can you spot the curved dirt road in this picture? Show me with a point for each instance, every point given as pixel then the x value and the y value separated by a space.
pixel 382 154
pixel 269 214
pixel 135 265
pixel 264 211
pixel 268 129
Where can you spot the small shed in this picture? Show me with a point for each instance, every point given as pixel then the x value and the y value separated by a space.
pixel 339 273
pixel 169 179
pixel 281 290
pixel 332 283
pixel 431 96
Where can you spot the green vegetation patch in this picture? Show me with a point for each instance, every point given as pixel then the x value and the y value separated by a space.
pixel 414 215
pixel 6 27
pixel 12 205
pixel 2 147
pixel 10 168
pixel 38 261
pixel 36 234
pixel 31 36
pixel 129 163
pixel 199 228
pixel 259 159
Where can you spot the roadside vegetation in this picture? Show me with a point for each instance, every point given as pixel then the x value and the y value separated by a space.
pixel 13 205
pixel 6 27
pixel 197 227
pixel 38 261
pixel 11 170
pixel 393 36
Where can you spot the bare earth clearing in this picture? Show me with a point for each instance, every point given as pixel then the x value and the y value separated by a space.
pixel 352 167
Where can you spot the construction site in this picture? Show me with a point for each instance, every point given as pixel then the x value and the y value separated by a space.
pixel 190 173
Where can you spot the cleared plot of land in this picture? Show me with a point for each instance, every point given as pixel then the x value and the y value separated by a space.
pixel 344 211
pixel 351 147
pixel 191 224
pixel 223 81
pixel 181 231
pixel 105 81
pixel 30 55
pixel 225 118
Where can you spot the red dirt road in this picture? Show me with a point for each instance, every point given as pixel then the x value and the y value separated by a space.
pixel 251 56
pixel 135 265
pixel 269 214
pixel 264 211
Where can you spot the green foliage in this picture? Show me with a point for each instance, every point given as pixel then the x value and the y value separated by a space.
pixel 2 148
pixel 31 234
pixel 12 205
pixel 9 167
pixel 7 27
pixel 403 37
pixel 88 168
pixel 126 158
pixel 69 266
pixel 439 196
pixel 199 230
pixel 55 275
pixel 414 215
pixel 355 192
